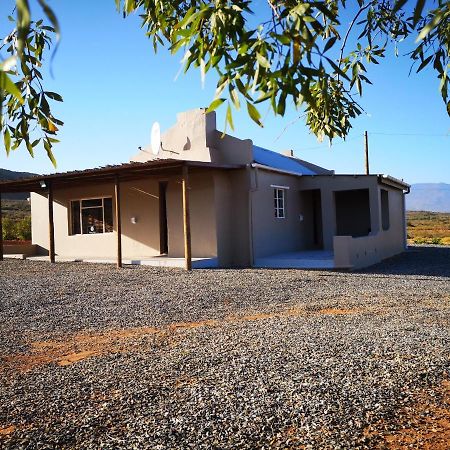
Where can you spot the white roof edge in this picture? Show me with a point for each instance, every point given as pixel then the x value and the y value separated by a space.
pixel 393 180
pixel 273 169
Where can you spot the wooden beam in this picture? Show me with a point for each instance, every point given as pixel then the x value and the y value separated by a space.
pixel 51 225
pixel 186 219
pixel 118 220
pixel 1 229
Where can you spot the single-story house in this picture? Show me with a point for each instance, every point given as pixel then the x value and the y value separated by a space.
pixel 201 198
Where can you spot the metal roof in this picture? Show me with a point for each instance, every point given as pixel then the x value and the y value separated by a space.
pixel 276 160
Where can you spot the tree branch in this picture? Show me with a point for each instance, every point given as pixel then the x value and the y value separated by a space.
pixel 344 42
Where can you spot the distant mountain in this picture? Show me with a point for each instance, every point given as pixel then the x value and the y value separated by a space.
pixel 11 175
pixel 429 197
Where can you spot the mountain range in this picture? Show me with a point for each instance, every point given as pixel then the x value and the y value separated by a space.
pixel 429 197
pixel 12 175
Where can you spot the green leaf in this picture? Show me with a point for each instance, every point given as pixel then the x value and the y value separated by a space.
pixel 7 85
pixel 129 6
pixel 215 104
pixel 418 11
pixel 29 148
pixel 48 149
pixel 53 96
pixel 262 61
pixel 424 63
pixel 23 23
pixel 235 98
pixel 254 114
pixel 229 117
pixel 7 139
pixel 430 25
pixel 330 43
pixel 51 16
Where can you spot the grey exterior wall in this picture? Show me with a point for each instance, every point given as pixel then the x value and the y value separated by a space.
pixel 272 236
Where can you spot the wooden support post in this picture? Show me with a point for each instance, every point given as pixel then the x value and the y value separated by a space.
pixel 366 150
pixel 118 221
pixel 1 230
pixel 186 219
pixel 51 225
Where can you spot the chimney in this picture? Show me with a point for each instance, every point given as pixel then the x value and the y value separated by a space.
pixel 289 153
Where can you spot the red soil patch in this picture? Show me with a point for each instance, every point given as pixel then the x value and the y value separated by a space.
pixel 425 425
pixel 74 357
pixel 338 312
pixel 86 345
pixel 16 242
pixel 7 430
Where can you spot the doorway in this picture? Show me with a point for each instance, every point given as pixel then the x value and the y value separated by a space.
pixel 317 218
pixel 163 230
pixel 352 212
pixel 312 219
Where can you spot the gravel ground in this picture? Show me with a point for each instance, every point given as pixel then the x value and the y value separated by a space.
pixel 96 357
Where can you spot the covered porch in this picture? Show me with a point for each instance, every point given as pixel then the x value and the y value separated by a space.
pixel 54 210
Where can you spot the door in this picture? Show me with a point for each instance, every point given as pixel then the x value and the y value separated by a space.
pixel 311 217
pixel 163 230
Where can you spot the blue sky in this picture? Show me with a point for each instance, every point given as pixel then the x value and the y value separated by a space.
pixel 115 87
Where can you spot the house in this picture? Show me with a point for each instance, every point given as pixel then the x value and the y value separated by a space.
pixel 202 198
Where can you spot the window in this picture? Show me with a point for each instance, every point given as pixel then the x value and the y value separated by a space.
pixel 279 203
pixel 385 209
pixel 91 216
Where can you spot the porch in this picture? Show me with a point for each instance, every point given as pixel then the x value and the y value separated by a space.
pixel 155 261
pixel 311 259
pixel 132 215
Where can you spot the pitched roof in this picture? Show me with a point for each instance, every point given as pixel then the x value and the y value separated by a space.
pixel 276 160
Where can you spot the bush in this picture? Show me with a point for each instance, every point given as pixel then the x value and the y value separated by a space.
pixel 16 229
pixel 9 229
pixel 23 229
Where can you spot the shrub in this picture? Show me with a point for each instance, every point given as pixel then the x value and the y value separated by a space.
pixel 23 229
pixel 8 229
pixel 16 229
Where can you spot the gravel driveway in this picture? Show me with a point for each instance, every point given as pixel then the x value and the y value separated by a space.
pixel 96 357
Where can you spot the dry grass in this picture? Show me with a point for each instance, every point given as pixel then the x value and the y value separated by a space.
pixel 428 227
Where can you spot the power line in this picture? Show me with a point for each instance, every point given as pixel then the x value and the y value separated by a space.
pixel 324 146
pixel 408 134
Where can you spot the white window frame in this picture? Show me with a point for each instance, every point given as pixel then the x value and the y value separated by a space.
pixel 279 193
pixel 81 215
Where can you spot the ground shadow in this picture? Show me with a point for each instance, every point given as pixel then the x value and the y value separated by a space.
pixel 417 260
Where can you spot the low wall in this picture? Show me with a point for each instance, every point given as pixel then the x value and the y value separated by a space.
pixel 356 253
pixel 26 249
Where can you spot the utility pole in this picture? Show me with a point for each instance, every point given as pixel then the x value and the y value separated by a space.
pixel 366 149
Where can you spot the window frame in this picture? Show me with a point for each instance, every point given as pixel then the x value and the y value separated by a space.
pixel 80 201
pixel 280 211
